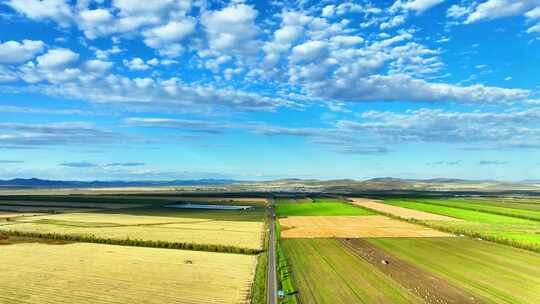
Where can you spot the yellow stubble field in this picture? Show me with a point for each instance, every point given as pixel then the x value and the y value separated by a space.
pixel 35 273
pixel 156 228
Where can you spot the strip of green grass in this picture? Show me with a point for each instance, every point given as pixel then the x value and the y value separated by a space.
pixel 285 282
pixel 319 209
pixel 476 205
pixel 468 215
pixel 499 273
pixel 506 230
pixel 324 271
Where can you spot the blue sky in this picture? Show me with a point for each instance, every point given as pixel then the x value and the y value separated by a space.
pixel 165 89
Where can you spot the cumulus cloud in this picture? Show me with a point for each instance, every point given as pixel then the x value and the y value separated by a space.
pixel 232 30
pixel 309 51
pixel 57 10
pixel 57 58
pixel 166 38
pixel 15 52
pixel 421 5
pixel 493 9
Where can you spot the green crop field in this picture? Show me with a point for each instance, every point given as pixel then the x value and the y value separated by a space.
pixel 505 229
pixel 486 206
pixel 499 273
pixel 324 271
pixel 319 209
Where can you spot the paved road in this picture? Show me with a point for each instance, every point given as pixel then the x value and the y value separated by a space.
pixel 271 287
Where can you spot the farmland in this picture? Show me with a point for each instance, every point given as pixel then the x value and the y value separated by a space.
pixel 92 273
pixel 351 227
pixel 117 226
pixel 324 271
pixel 67 231
pixel 319 207
pixel 498 273
pixel 480 220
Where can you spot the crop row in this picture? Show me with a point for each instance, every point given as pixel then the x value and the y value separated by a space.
pixel 135 242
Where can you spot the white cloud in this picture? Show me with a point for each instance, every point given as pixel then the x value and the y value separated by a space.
pixel 400 87
pixel 328 11
pixel 509 129
pixel 493 9
pixel 57 58
pixel 232 30
pixel 57 10
pixel 456 11
pixel 97 66
pixel 395 21
pixel 309 51
pixel 162 95
pixel 534 13
pixel 69 133
pixel 165 38
pixel 138 64
pixel 14 52
pixel 421 5
pixel 347 40
pixel 96 23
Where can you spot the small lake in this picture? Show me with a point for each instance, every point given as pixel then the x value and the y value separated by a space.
pixel 209 207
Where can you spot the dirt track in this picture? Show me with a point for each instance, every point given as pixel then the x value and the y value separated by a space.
pixel 399 211
pixel 427 286
pixel 352 227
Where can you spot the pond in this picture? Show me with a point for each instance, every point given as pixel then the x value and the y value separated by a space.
pixel 210 207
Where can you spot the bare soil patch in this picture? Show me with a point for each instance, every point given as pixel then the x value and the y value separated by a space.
pixel 352 227
pixel 429 287
pixel 399 211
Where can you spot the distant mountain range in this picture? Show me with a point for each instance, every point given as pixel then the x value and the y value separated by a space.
pixel 43 183
pixel 374 183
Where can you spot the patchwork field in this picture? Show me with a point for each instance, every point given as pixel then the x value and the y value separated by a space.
pixel 509 229
pixel 318 208
pixel 351 227
pixel 244 234
pixel 93 273
pixel 497 273
pixel 324 271
pixel 399 211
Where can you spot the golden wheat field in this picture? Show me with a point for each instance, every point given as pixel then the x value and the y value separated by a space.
pixel 122 226
pixel 39 273
pixel 352 227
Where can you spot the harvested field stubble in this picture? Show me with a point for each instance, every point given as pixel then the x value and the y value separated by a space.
pixel 399 211
pixel 351 227
pixel 145 228
pixel 73 273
